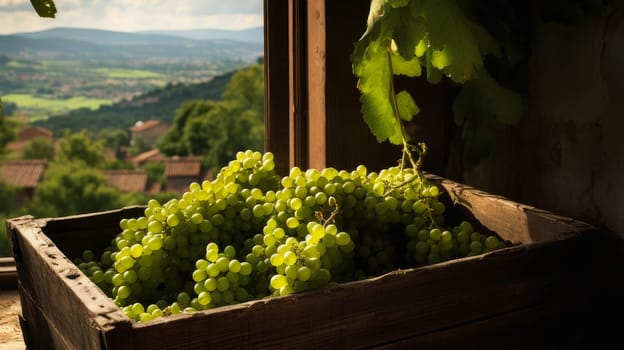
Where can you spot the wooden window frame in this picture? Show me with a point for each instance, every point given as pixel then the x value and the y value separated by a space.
pixel 312 107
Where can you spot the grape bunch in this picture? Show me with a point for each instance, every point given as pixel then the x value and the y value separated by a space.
pixel 250 234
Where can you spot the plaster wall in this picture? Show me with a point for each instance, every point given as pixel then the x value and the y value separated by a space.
pixel 567 153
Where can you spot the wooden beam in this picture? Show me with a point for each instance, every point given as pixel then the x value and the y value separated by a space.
pixel 298 83
pixel 316 81
pixel 276 82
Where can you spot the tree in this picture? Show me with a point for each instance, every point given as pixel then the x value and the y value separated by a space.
pixel 246 90
pixel 216 130
pixel 81 146
pixel 70 188
pixel 116 139
pixel 7 193
pixel 39 148
pixel 7 131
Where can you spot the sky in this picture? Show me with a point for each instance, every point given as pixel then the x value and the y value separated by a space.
pixel 133 15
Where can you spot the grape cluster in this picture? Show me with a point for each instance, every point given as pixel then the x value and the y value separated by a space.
pixel 250 233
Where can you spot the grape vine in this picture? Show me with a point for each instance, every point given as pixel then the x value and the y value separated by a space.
pixel 439 37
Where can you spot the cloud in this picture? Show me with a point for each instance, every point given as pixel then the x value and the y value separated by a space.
pixel 134 15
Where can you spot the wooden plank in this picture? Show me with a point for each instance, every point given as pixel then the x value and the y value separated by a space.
pixel 536 327
pixel 59 295
pixel 518 222
pixel 316 73
pixel 8 274
pixel 381 310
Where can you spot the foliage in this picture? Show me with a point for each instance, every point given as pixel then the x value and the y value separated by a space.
pixel 155 172
pixel 7 193
pixel 8 108
pixel 39 148
pixel 70 187
pixel 7 131
pixel 4 241
pixel 116 139
pixel 442 40
pixel 44 8
pixel 81 146
pixel 216 130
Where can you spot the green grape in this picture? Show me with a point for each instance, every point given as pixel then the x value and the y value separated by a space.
pixel 291 233
pixel 491 243
pixel 476 247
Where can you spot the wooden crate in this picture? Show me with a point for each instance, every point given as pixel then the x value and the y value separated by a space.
pixel 529 295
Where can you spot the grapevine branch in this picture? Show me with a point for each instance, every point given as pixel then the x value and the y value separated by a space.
pixel 406 146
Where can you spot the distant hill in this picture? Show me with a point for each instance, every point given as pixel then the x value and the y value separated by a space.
pixel 159 104
pixel 105 45
pixel 253 35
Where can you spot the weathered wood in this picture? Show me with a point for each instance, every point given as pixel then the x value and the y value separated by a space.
pixel 62 297
pixel 276 83
pixel 8 274
pixel 534 284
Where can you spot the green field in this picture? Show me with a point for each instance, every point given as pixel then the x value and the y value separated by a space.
pixel 37 107
pixel 122 73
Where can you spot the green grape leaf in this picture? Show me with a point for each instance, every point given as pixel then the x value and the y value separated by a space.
pixel 406 105
pixel 434 75
pixel 484 96
pixel 483 107
pixel 371 64
pixel 44 8
pixel 398 3
pixel 410 31
pixel 487 44
pixel 457 37
pixel 410 68
pixel 421 48
pixel 374 84
pixel 439 59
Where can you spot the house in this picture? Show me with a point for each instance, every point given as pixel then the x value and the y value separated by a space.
pixel 180 172
pixel 148 132
pixel 26 135
pixel 153 155
pixel 127 180
pixel 23 174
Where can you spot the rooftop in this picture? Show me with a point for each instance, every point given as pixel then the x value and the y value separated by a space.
pixel 22 173
pixel 183 166
pixel 127 180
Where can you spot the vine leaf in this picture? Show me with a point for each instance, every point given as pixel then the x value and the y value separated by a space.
pixel 483 96
pixel 483 107
pixel 404 36
pixel 406 105
pixel 374 85
pixel 400 66
pixel 44 8
pixel 459 42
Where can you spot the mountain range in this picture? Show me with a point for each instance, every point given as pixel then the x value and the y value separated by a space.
pixel 97 44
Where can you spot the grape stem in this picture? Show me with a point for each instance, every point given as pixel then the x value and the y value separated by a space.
pixel 331 201
pixel 421 147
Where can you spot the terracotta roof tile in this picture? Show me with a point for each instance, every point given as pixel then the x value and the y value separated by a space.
pixel 141 126
pixel 183 167
pixel 22 173
pixel 153 155
pixel 127 180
